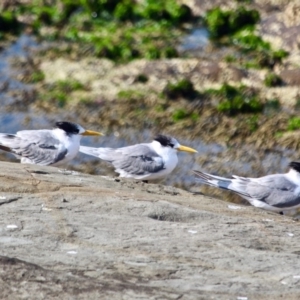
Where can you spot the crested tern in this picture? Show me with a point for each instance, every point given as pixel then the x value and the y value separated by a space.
pixel 149 161
pixel 276 192
pixel 46 147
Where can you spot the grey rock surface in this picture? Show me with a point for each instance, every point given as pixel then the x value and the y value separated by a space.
pixel 66 235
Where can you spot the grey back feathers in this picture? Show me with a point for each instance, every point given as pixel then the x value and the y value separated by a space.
pixel 136 159
pixel 38 146
pixel 140 160
pixel 147 161
pixel 271 189
pixel 273 192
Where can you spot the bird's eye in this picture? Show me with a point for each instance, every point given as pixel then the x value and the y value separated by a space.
pixel 171 145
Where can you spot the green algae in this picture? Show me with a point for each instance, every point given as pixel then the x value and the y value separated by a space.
pixel 59 91
pixel 272 80
pixel 120 30
pixel 238 28
pixel 182 89
pixel 293 124
pixel 234 100
pixel 225 22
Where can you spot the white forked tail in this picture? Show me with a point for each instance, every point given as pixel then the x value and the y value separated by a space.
pixel 212 180
pixel 97 152
pixel 236 184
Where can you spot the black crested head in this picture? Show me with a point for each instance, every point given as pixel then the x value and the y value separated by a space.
pixel 165 140
pixel 295 166
pixel 68 127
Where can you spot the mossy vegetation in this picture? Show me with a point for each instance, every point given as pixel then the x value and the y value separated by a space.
pixel 117 29
pixel 238 28
pixel 181 114
pixel 244 1
pixel 59 92
pixel 293 123
pixel 142 78
pixel 297 104
pixel 272 80
pixel 225 22
pixel 131 95
pixel 278 134
pixel 182 89
pixel 272 105
pixel 234 100
pixel 252 123
pixel 37 76
pixel 68 86
pixel 258 52
pixel 9 22
pixel 230 58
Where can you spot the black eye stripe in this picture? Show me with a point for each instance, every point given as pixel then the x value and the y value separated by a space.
pixel 164 140
pixel 295 165
pixel 68 127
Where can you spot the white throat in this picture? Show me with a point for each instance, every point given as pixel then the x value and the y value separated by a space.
pixel 70 142
pixel 168 155
pixel 293 176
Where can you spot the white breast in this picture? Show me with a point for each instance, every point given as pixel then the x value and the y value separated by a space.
pixel 71 143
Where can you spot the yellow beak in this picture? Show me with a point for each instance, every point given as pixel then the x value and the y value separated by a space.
pixel 186 149
pixel 90 132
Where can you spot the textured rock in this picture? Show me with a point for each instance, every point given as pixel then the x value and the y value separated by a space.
pixel 68 235
pixel 291 77
pixel 281 28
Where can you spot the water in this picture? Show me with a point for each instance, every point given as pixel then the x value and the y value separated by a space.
pixel 212 157
pixel 7 82
pixel 196 40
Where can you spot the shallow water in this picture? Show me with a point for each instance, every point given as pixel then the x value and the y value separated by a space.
pixel 196 40
pixel 7 82
pixel 212 157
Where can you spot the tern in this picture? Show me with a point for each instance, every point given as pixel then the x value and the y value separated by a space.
pixel 276 192
pixel 145 162
pixel 46 147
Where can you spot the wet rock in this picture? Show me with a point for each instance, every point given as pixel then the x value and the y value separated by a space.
pixel 291 77
pixel 70 235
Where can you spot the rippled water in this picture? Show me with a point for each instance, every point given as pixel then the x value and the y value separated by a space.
pixel 212 157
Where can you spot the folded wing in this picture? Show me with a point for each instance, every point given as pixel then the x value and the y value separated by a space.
pixel 136 160
pixel 275 190
pixel 37 147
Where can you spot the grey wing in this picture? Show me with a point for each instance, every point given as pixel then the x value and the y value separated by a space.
pixel 43 138
pixel 138 160
pixel 274 190
pixel 45 155
pixel 38 146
